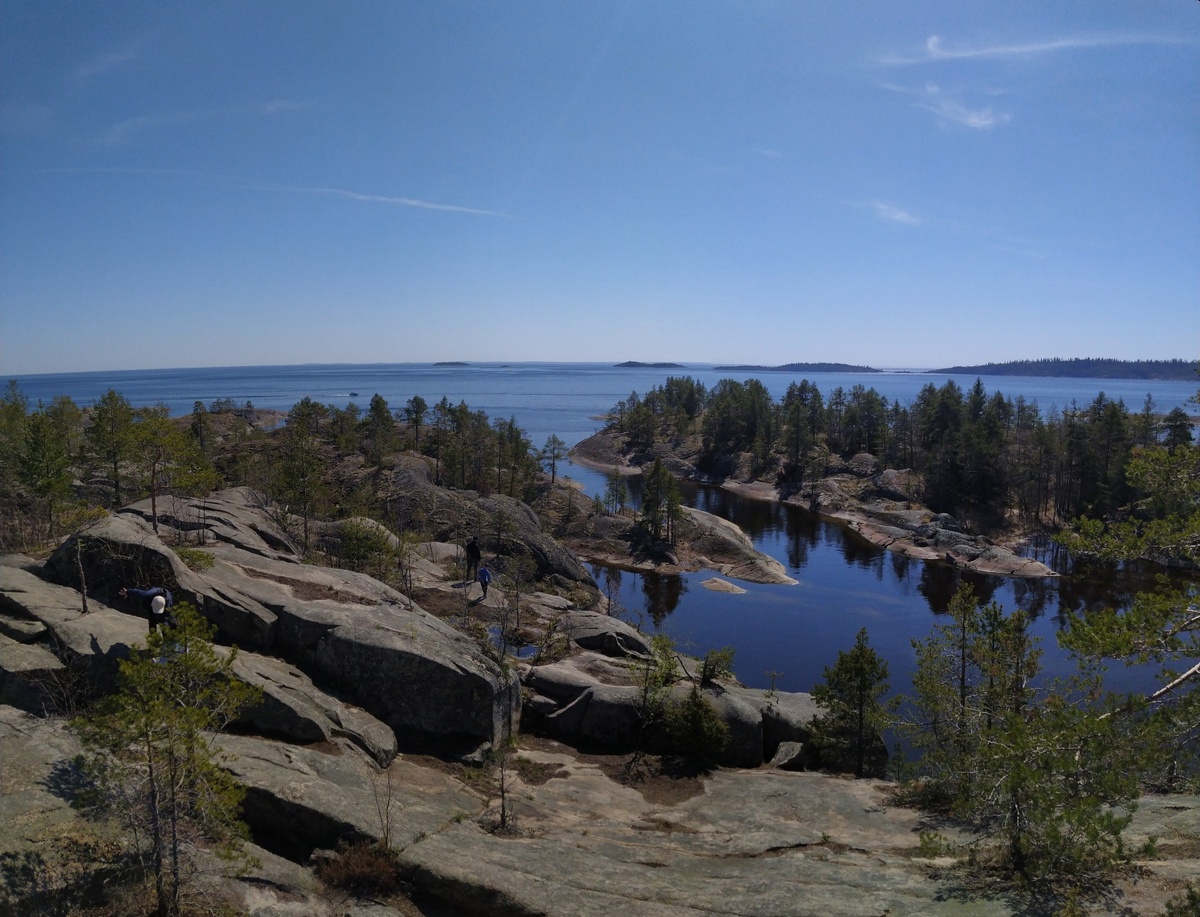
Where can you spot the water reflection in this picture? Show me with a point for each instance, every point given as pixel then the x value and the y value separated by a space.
pixel 803 529
pixel 662 593
pixel 847 583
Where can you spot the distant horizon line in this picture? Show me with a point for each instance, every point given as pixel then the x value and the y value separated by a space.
pixel 645 364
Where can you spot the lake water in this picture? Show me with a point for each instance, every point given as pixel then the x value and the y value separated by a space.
pixel 782 634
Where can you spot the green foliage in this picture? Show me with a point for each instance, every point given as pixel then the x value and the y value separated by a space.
pixel 933 845
pixel 150 753
pixel 413 413
pixel 1186 904
pixel 298 481
pixel 552 453
pixel 977 452
pixel 657 673
pixel 44 466
pixel 663 666
pixel 616 491
pixel 716 664
pixel 380 429
pixel 662 504
pixel 847 734
pixel 167 458
pixel 695 730
pixel 363 547
pixel 1162 627
pixel 1050 770
pixel 1083 368
pixel 14 409
pixel 195 558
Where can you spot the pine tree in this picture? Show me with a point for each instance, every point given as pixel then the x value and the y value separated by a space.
pixel 1050 770
pixel 150 751
pixel 1161 627
pixel 552 453
pixel 847 734
pixel 45 465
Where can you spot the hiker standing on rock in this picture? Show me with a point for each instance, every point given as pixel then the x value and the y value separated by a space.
pixel 485 579
pixel 474 555
pixel 160 600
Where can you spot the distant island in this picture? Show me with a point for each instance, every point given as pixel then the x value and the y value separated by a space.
pixel 803 368
pixel 452 363
pixel 1083 368
pixel 634 364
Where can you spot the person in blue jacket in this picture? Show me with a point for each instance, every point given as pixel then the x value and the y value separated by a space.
pixel 158 600
pixel 485 579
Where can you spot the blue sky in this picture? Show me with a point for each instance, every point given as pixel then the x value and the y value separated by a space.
pixel 898 185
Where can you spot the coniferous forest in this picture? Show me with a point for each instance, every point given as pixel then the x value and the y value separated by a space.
pixel 981 454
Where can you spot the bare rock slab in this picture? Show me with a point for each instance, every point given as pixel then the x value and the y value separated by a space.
pixel 304 799
pixel 345 630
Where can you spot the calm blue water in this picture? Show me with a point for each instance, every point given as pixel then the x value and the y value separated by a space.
pixel 795 631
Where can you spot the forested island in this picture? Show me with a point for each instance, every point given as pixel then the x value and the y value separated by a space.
pixel 1083 368
pixel 998 463
pixel 323 563
pixel 801 368
pixel 635 364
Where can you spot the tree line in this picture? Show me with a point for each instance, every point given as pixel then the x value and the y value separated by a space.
pixel 1084 368
pixel 58 460
pixel 976 452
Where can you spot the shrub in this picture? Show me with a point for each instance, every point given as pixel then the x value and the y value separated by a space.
pixel 365 868
pixel 695 730
pixel 717 664
pixel 196 559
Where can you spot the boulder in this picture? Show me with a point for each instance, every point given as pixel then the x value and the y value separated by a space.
pixel 604 634
pixel 103 638
pixel 593 701
pixel 346 630
pixel 602 715
pixel 902 486
pixel 561 682
pixel 418 674
pixel 303 799
pixel 786 715
pixel 36 777
pixel 789 756
pixel 744 747
pixel 293 707
pixel 26 674
pixel 26 596
pixel 23 630
pixel 746 842
pixel 505 526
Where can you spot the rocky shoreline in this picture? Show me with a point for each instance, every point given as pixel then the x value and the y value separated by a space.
pixel 875 504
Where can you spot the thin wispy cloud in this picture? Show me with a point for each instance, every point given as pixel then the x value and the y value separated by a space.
pixel 935 50
pixel 949 109
pixel 399 201
pixel 893 214
pixel 124 132
pixel 997 238
pixel 250 184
